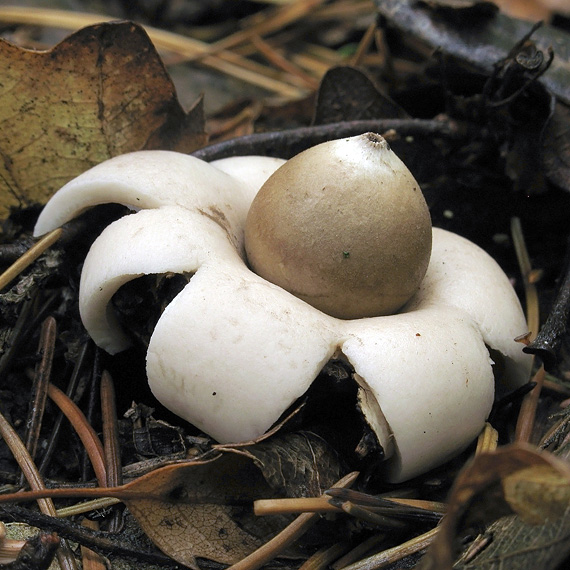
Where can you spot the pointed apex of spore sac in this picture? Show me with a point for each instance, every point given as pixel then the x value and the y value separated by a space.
pixel 376 140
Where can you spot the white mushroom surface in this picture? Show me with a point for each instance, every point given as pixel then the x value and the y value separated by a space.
pixel 233 351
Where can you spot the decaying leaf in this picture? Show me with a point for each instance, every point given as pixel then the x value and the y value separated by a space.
pixel 102 91
pixel 349 94
pixel 538 493
pixel 479 41
pixel 204 508
pixel 516 479
pixel 516 545
pixel 297 464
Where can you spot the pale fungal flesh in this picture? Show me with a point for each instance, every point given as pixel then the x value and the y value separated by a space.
pixel 232 351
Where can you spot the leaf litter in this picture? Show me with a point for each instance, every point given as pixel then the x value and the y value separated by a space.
pixel 200 510
pixel 71 107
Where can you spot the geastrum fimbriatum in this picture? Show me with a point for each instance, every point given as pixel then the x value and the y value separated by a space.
pixel 344 227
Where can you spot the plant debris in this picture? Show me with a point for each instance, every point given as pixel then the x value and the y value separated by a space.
pixel 71 107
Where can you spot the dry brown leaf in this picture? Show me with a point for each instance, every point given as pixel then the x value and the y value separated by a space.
pixel 204 511
pixel 538 493
pixel 101 92
pixel 204 508
pixel 348 94
pixel 514 479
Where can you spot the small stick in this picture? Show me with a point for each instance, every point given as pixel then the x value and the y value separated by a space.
pixel 265 23
pixel 28 467
pixel 274 57
pixel 41 381
pixel 324 557
pixel 532 306
pixel 391 555
pixel 54 435
pixel 488 439
pixel 84 430
pixel 90 559
pixel 364 44
pixel 263 507
pixel 527 414
pixel 111 445
pixel 110 431
pixel 384 500
pixel 286 537
pixel 29 257
pixel 367 515
pixel 87 507
pixel 17 335
pixel 359 550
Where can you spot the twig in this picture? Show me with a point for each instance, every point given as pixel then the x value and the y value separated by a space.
pixel 41 381
pixel 264 23
pixel 364 44
pixel 73 382
pixel 111 445
pixel 286 143
pixel 86 433
pixel 387 502
pixel 29 257
pixel 283 63
pixel 98 541
pixel 392 555
pixel 323 558
pixel 531 294
pixel 224 61
pixel 488 440
pixel 17 335
pixel 368 515
pixel 286 537
pixel 110 431
pixel 264 507
pixel 90 559
pixel 359 550
pixel 26 463
pixel 527 413
pixel 87 507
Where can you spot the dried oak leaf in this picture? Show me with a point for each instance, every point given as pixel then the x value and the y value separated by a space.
pixel 349 94
pixel 201 509
pixel 516 545
pixel 522 491
pixel 205 509
pixel 101 92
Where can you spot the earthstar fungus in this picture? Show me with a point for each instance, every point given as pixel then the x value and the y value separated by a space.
pixel 231 339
